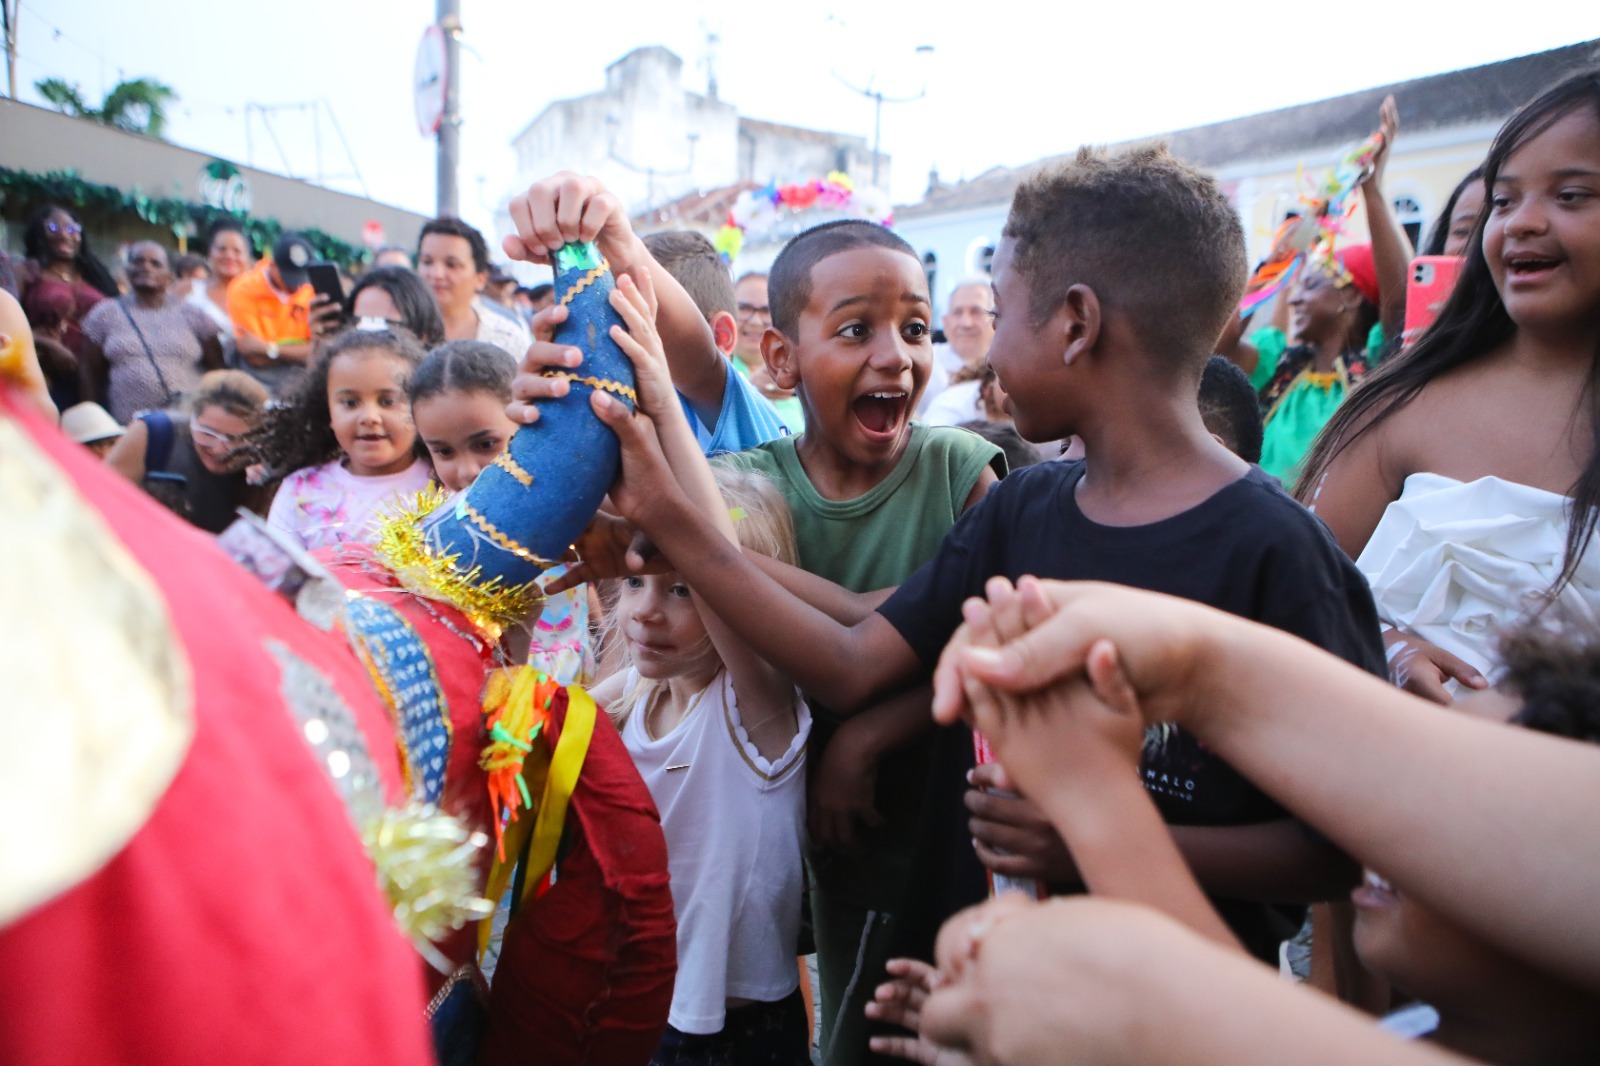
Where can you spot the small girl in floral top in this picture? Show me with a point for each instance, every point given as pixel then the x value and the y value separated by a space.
pixel 458 401
pixel 346 433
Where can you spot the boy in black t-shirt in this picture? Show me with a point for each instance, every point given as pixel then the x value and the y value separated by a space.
pixel 1113 280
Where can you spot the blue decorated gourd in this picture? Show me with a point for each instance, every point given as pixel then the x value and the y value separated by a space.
pixel 523 512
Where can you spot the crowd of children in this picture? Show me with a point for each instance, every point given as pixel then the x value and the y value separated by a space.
pixel 1159 673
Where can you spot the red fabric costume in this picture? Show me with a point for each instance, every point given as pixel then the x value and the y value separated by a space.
pixel 585 973
pixel 240 924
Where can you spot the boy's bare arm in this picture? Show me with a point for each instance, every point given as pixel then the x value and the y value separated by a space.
pixel 835 601
pixel 846 667
pixel 842 789
pixel 568 207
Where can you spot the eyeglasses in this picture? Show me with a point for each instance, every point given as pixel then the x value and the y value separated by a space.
pixel 204 434
pixel 54 228
pixel 752 311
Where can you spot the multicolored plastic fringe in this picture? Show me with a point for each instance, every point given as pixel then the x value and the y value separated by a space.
pixel 758 211
pixel 1327 204
pixel 520 761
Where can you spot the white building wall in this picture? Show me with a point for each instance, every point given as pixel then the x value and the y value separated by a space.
pixel 956 240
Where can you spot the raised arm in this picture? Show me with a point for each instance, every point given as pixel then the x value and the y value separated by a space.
pixel 1391 248
pixel 764 692
pixel 567 207
pixel 1358 760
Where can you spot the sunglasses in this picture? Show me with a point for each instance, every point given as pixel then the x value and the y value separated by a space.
pixel 204 434
pixel 71 229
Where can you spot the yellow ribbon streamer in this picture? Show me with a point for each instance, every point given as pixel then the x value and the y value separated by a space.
pixel 558 782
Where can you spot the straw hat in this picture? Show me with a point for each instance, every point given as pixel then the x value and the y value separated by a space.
pixel 89 422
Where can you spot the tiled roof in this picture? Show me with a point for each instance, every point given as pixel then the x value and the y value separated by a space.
pixel 1486 93
pixel 707 208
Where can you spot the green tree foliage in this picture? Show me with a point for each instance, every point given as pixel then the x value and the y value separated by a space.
pixel 138 105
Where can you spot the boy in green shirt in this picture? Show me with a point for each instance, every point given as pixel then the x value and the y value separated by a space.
pixel 872 495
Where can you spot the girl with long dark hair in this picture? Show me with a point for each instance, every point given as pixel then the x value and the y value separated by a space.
pixel 1465 473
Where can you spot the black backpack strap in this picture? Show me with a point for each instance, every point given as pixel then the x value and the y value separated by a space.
pixel 158 450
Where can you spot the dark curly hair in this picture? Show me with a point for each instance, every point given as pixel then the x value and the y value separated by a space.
pixel 89 267
pixel 418 309
pixel 1472 324
pixel 1155 239
pixel 1555 670
pixel 298 431
pixel 789 285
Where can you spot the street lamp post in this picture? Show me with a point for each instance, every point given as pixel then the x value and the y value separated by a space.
pixel 879 98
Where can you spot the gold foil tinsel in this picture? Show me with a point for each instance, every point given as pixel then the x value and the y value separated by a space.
pixel 427 866
pixel 403 547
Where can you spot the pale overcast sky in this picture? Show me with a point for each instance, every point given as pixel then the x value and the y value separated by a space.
pixel 1007 82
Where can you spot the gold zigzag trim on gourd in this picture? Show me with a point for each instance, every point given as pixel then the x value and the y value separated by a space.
pixel 514 468
pixel 403 547
pixel 596 383
pixel 498 537
pixel 584 282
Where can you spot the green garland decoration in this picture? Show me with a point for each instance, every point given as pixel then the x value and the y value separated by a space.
pixel 28 191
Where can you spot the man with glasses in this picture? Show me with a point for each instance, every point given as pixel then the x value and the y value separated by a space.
pixel 754 316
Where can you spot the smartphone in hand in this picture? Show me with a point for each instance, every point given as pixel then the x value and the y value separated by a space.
pixel 1432 279
pixel 324 278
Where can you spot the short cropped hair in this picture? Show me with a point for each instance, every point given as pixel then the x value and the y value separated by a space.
pixel 1230 409
pixel 789 284
pixel 1152 236
pixel 694 261
pixel 185 265
pixel 454 227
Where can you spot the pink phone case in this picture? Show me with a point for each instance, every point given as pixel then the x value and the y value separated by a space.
pixel 1429 286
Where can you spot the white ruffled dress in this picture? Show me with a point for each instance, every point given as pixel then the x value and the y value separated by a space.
pixel 1456 562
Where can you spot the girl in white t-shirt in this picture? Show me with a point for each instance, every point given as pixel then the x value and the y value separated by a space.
pixel 345 434
pixel 719 737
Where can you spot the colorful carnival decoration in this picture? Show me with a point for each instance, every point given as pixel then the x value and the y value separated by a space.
pixel 1326 205
pixel 761 212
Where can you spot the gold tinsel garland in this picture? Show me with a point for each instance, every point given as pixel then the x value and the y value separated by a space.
pixel 427 866
pixel 403 547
